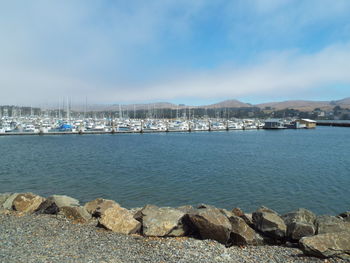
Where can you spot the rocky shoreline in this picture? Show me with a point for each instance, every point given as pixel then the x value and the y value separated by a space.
pixel 103 231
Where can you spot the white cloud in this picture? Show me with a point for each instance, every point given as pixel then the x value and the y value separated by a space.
pixel 78 49
pixel 278 74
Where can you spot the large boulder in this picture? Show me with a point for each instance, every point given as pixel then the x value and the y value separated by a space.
pixel 53 204
pixel 7 203
pixel 242 234
pixel 75 213
pixel 331 224
pixel 161 221
pixel 327 245
pixel 97 207
pixel 270 224
pixel 27 202
pixel 119 220
pixel 211 223
pixel 300 223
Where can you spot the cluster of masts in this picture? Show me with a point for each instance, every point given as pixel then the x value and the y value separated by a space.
pixel 35 124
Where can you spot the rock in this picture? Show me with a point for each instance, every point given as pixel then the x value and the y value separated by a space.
pixel 327 245
pixel 120 220
pixel 27 202
pixel 161 221
pixel 53 204
pixel 270 223
pixel 48 207
pixel 211 223
pixel 64 200
pixel 187 209
pixel 3 198
pixel 97 207
pixel 300 223
pixel 248 218
pixel 242 234
pixel 331 224
pixel 75 213
pixel 237 212
pixel 227 212
pixel 7 204
pixel 345 216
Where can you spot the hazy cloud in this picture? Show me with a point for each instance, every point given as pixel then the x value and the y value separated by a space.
pixel 117 51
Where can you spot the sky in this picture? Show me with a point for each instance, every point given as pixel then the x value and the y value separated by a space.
pixel 181 51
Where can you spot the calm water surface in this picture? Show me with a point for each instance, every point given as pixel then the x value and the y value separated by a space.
pixel 283 170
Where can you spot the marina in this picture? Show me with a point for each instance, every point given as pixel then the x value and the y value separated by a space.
pixel 35 125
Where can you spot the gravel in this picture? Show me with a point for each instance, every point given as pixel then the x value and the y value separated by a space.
pixel 52 238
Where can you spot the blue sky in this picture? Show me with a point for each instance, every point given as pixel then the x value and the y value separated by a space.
pixel 183 51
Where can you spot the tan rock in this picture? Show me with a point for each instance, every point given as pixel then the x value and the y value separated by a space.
pixel 327 245
pixel 119 220
pixel 237 212
pixel 76 213
pixel 242 234
pixel 98 206
pixel 161 221
pixel 211 223
pixel 27 202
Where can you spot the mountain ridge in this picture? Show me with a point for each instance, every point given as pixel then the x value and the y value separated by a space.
pixel 301 105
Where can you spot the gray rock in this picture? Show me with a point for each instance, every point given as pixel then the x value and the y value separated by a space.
pixel 211 223
pixel 161 221
pixel 27 202
pixel 64 200
pixel 242 234
pixel 119 220
pixel 331 224
pixel 270 223
pixel 3 198
pixel 53 204
pixel 300 223
pixel 77 214
pixel 8 203
pixel 327 245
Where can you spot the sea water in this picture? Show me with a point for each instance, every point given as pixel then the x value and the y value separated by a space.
pixel 281 169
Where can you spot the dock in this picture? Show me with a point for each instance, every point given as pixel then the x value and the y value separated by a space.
pixel 333 123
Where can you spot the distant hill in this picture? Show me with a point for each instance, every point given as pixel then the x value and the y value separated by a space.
pixel 345 103
pixel 306 105
pixel 229 104
pixel 301 105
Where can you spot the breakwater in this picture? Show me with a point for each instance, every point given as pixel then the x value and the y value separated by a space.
pixel 320 236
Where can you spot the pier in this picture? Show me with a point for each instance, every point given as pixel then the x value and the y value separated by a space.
pixel 334 123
